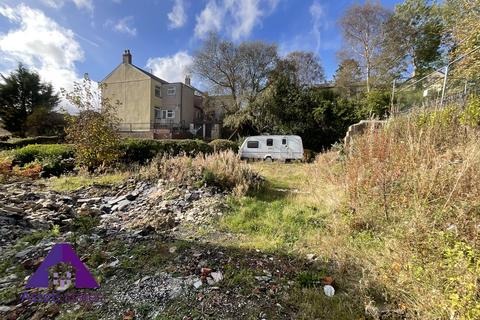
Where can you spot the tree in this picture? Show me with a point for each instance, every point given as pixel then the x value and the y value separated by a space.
pixel 419 30
pixel 348 78
pixel 21 93
pixel 44 122
pixel 364 30
pixel 94 130
pixel 238 70
pixel 462 18
pixel 308 70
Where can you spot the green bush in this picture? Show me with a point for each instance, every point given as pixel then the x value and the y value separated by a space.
pixel 18 143
pixel 142 150
pixel 223 145
pixel 41 152
pixel 54 158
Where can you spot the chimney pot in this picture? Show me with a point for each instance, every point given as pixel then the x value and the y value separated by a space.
pixel 187 80
pixel 127 56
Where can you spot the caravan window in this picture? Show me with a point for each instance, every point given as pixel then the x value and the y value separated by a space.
pixel 269 142
pixel 252 144
pixel 284 141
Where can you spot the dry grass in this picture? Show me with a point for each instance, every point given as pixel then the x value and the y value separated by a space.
pixel 408 215
pixel 223 169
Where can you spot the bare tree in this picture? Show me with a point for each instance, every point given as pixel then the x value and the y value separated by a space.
pixel 364 30
pixel 239 70
pixel 308 71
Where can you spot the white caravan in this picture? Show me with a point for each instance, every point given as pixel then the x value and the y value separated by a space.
pixel 270 148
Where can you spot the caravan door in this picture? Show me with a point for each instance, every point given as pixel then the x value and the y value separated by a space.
pixel 287 153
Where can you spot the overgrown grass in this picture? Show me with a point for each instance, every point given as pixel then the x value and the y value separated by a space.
pixel 74 182
pixel 223 169
pixel 399 216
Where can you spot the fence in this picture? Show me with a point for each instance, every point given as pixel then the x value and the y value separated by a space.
pixel 444 86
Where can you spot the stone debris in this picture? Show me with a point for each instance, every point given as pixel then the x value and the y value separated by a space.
pixel 139 206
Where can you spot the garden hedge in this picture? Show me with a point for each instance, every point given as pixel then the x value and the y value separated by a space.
pixel 18 143
pixel 142 150
pixel 54 158
pixel 223 145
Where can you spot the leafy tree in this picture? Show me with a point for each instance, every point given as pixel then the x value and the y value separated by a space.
pixel 317 114
pixel 21 93
pixel 461 17
pixel 364 30
pixel 44 122
pixel 419 29
pixel 307 68
pixel 348 78
pixel 94 130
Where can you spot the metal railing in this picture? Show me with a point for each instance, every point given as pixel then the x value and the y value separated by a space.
pixel 444 86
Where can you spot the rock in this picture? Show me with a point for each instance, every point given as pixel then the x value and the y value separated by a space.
pixel 197 284
pixel 122 204
pixel 89 200
pixel 263 278
pixel 22 254
pixel 217 276
pixel 311 256
pixel 5 308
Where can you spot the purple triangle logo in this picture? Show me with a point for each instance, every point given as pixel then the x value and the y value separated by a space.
pixel 62 252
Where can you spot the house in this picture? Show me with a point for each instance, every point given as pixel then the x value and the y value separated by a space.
pixel 150 107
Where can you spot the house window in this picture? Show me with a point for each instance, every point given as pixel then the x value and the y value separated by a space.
pixel 171 91
pixel 168 114
pixel 158 91
pixel 284 141
pixel 269 142
pixel 158 113
pixel 252 144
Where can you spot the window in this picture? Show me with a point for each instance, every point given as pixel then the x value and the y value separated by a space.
pixel 284 141
pixel 269 142
pixel 158 91
pixel 252 144
pixel 168 114
pixel 158 113
pixel 171 91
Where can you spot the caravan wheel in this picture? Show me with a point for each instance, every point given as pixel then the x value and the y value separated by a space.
pixel 268 159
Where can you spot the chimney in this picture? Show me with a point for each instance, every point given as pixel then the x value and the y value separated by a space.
pixel 187 80
pixel 127 57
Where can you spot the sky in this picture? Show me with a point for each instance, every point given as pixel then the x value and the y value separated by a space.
pixel 64 39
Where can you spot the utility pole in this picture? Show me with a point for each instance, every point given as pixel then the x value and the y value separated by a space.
pixel 444 84
pixel 392 110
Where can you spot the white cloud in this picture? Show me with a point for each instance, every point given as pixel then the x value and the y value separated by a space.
pixel 318 14
pixel 237 17
pixel 80 4
pixel 177 16
pixel 41 44
pixel 171 68
pixel 124 25
pixel 209 20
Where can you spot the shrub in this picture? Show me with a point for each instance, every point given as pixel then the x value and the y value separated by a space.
pixel 408 221
pixel 471 115
pixel 93 130
pixel 18 143
pixel 223 169
pixel 142 150
pixel 223 145
pixel 41 152
pixel 32 170
pixel 54 159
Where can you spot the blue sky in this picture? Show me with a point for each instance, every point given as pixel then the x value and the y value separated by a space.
pixel 63 39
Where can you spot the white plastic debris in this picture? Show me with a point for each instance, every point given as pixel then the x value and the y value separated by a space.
pixel 329 290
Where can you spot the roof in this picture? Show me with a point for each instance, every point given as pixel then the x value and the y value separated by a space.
pixel 149 74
